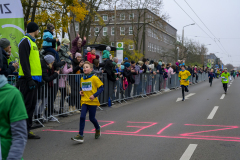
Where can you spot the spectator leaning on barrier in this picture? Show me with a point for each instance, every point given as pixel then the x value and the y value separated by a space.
pixel 30 72
pixel 115 59
pixel 77 45
pixel 62 88
pixel 48 75
pixel 110 71
pixel 5 47
pixel 96 68
pixel 13 121
pixel 48 40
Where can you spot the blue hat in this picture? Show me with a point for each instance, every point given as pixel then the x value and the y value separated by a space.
pixel 127 64
pixel 122 67
pixel 125 58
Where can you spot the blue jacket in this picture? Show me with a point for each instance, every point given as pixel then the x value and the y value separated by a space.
pixel 211 75
pixel 47 39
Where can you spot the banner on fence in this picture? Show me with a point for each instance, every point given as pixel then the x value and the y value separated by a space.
pixel 12 23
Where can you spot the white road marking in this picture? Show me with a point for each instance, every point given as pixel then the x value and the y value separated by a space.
pixel 186 97
pixel 222 97
pixel 189 152
pixel 211 115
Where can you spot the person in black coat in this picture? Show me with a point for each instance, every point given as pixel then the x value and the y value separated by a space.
pixel 49 73
pixel 128 72
pixel 5 47
pixel 110 71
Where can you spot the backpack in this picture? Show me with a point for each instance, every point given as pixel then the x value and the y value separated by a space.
pixel 165 75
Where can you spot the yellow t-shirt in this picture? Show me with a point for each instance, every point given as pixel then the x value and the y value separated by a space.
pixel 184 75
pixel 89 87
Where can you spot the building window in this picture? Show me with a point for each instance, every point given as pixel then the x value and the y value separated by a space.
pixel 131 30
pixel 149 32
pixel 152 33
pixel 112 31
pixel 112 44
pixel 157 49
pixel 131 16
pixel 89 32
pixel 152 48
pixel 96 18
pixel 105 17
pixel 149 46
pixel 96 31
pixel 113 17
pixel 122 30
pixel 105 29
pixel 122 16
pixel 76 27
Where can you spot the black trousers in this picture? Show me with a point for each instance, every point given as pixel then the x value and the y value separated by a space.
pixel 210 80
pixel 30 100
pixel 225 86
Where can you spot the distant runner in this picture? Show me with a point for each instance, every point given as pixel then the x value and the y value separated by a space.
pixel 225 79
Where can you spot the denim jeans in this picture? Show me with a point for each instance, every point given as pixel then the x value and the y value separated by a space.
pixel 92 113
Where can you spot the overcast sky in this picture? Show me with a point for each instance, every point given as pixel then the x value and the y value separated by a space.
pixel 222 17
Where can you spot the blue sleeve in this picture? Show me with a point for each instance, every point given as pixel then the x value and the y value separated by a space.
pixel 50 40
pixel 99 91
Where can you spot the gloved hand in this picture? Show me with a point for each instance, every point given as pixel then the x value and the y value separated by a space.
pixel 32 85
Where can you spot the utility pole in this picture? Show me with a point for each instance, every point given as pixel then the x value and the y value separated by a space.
pixel 183 36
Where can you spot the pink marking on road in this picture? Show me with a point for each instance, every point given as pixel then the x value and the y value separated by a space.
pixel 110 122
pixel 141 127
pixel 145 135
pixel 165 128
pixel 191 134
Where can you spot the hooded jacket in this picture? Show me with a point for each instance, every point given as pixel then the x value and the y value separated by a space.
pixel 109 70
pixel 47 39
pixel 6 69
pixel 106 54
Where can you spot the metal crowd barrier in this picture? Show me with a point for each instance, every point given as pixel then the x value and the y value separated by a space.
pixel 61 97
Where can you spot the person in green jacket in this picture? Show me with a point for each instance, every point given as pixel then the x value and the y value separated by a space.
pixel 225 79
pixel 106 53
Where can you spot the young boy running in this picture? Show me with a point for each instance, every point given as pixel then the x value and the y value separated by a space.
pixel 91 88
pixel 211 76
pixel 225 79
pixel 184 76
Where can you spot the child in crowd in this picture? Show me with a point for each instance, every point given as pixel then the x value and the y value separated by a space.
pixel 211 76
pixel 48 40
pixel 184 77
pixel 90 88
pixel 91 55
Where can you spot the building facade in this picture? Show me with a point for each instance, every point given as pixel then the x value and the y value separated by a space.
pixel 140 30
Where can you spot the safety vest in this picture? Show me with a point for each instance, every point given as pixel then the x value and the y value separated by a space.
pixel 34 60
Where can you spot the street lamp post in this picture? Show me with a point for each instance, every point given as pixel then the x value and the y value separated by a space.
pixel 183 38
pixel 115 21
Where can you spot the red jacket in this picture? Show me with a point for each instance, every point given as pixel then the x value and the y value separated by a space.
pixel 90 57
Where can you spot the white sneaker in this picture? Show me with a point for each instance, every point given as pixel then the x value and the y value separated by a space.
pixel 51 119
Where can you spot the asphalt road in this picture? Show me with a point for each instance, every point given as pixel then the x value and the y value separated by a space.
pixel 204 127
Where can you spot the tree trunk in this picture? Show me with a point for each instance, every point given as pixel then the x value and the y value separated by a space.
pixel 34 10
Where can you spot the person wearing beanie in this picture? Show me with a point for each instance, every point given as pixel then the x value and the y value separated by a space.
pixel 127 64
pixel 5 48
pixel 64 53
pixel 128 73
pixel 77 45
pixel 89 49
pixel 49 59
pixel 78 55
pixel 106 53
pixel 30 72
pixel 48 40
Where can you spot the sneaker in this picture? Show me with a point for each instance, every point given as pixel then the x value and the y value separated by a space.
pixel 78 138
pixel 32 136
pixel 98 132
pixel 183 99
pixel 51 119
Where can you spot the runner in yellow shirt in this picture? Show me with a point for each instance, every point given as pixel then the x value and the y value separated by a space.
pixel 184 77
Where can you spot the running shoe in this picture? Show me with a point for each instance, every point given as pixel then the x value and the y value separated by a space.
pixel 98 132
pixel 183 99
pixel 78 138
pixel 51 119
pixel 32 136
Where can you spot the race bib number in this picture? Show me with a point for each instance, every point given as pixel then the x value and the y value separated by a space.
pixel 225 79
pixel 86 86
